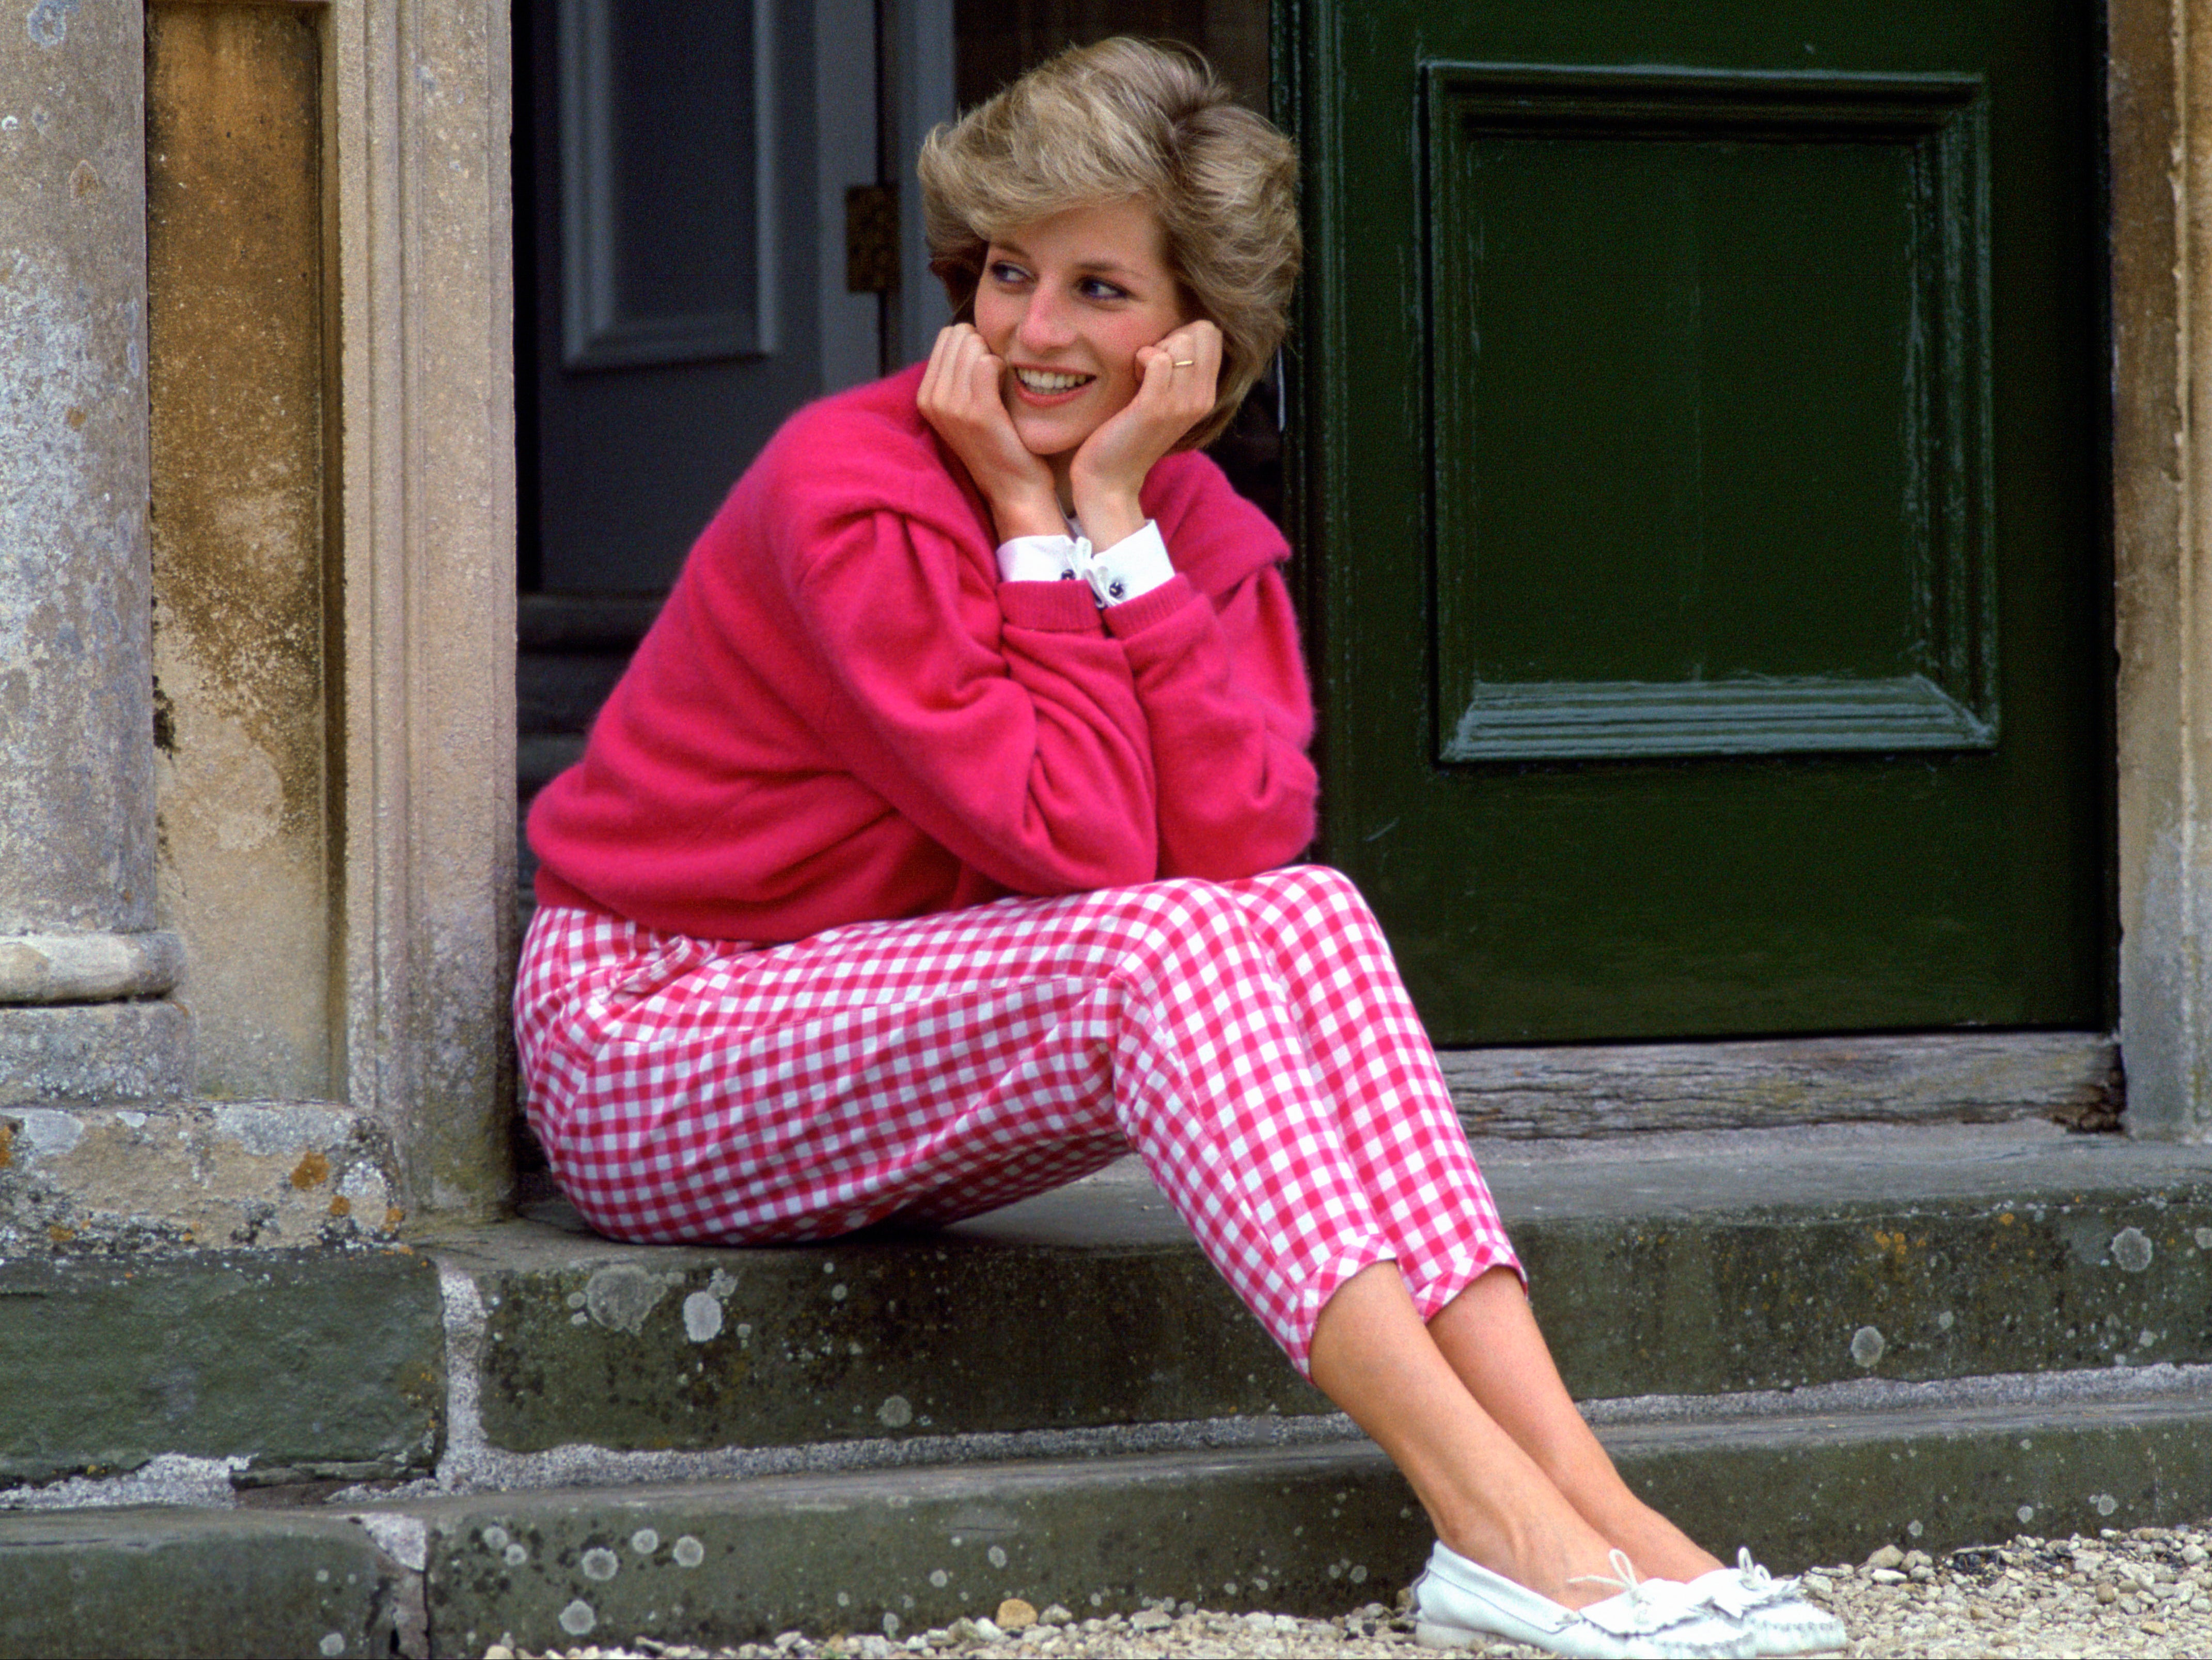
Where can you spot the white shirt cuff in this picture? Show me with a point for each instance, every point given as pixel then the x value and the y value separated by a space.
pixel 1132 566
pixel 1040 559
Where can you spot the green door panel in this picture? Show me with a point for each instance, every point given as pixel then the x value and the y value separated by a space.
pixel 1635 558
pixel 1702 473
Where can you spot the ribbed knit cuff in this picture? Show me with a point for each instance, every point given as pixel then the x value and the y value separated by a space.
pixel 1057 607
pixel 1137 614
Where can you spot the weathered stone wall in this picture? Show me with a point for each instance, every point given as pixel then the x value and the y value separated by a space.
pixel 2160 93
pixel 76 866
pixel 236 366
pixel 75 854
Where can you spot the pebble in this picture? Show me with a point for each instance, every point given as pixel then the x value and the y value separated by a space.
pixel 2143 1593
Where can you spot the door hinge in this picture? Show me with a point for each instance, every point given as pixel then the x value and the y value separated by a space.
pixel 871 249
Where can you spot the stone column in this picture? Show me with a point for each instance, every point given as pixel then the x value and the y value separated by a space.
pixel 82 968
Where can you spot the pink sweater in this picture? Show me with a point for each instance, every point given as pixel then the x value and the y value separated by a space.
pixel 842 713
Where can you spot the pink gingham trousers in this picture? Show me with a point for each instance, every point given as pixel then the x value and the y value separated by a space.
pixel 1249 1039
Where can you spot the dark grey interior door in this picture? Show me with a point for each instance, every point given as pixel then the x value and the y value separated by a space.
pixel 679 315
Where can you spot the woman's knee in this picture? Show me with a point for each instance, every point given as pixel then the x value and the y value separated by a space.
pixel 1308 890
pixel 1189 908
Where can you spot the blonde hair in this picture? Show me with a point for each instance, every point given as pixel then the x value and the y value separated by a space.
pixel 1119 120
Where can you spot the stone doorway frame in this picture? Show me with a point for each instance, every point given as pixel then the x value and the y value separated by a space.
pixel 2159 106
pixel 422 111
pixel 416 119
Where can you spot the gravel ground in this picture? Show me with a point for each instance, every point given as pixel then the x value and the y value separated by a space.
pixel 2145 1592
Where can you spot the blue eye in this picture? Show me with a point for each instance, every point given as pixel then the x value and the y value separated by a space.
pixel 1097 288
pixel 1005 271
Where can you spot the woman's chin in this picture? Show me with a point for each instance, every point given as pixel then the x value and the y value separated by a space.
pixel 1055 444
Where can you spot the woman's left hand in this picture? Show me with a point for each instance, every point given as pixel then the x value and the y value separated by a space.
pixel 1180 378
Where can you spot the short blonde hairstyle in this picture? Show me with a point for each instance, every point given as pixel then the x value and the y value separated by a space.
pixel 1119 120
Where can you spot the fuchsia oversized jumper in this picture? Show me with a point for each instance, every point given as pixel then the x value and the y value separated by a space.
pixel 842 714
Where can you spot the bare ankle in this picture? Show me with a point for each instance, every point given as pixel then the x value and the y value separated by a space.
pixel 1659 1549
pixel 1562 1558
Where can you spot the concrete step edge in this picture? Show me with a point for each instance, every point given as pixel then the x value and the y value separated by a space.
pixel 1315 1530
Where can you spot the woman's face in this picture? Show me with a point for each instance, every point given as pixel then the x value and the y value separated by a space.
pixel 1065 301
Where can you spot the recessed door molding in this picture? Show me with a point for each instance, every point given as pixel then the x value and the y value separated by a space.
pixel 613 315
pixel 1495 135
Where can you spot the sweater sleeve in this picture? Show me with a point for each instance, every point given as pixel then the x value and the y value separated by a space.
pixel 1224 690
pixel 1000 718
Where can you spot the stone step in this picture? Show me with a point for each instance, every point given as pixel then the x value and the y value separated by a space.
pixel 1316 1529
pixel 276 1367
pixel 1678 1266
pixel 1690 1265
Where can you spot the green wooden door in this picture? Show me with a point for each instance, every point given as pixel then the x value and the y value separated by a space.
pixel 1701 488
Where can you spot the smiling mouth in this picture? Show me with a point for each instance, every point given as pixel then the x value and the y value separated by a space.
pixel 1050 381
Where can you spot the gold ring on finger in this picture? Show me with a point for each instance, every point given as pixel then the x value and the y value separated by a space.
pixel 1182 362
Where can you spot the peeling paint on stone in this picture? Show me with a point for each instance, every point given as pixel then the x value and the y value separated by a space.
pixel 619 1297
pixel 2131 1250
pixel 47 24
pixel 702 1317
pixel 47 1134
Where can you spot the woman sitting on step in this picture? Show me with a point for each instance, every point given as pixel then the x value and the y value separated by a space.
pixel 931 854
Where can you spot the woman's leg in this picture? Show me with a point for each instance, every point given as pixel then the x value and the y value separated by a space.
pixel 688 1091
pixel 1371 1054
pixel 1490 1340
pixel 1487 1498
pixel 1373 1059
pixel 937 1067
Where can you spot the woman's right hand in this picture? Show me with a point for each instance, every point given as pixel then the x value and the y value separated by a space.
pixel 960 397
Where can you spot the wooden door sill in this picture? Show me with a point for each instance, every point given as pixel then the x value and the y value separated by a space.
pixel 1950 1077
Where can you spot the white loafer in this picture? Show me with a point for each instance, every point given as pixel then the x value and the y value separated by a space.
pixel 1457 1601
pixel 1779 1621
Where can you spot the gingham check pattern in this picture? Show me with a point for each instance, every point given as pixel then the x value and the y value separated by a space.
pixel 1251 1040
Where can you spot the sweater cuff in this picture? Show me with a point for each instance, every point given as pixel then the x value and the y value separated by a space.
pixel 1058 607
pixel 1133 616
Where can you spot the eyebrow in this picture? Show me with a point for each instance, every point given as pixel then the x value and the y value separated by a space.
pixel 1088 268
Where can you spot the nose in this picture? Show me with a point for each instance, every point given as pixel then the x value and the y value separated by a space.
pixel 1045 326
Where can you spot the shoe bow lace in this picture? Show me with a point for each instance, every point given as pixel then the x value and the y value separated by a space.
pixel 1650 1606
pixel 1750 1586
